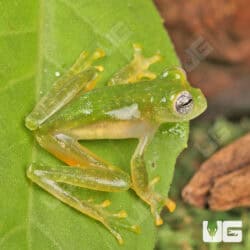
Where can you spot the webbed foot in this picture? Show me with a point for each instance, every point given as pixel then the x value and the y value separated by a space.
pixel 137 69
pixel 157 201
pixel 114 221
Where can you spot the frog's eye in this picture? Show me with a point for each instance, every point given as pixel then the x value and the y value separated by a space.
pixel 184 103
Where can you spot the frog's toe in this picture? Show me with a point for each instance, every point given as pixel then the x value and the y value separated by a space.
pixel 170 204
pixel 116 221
pixel 157 201
pixel 113 221
pixel 120 220
pixel 86 60
pixel 157 205
pixel 105 203
pixel 158 219
pixel 98 53
pixel 100 68
pixel 121 214
pixel 145 62
pixel 140 65
pixel 124 224
pixel 115 233
pixel 155 211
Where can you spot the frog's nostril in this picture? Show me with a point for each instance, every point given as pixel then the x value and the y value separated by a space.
pixel 31 124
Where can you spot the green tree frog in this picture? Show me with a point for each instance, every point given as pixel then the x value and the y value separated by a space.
pixel 133 104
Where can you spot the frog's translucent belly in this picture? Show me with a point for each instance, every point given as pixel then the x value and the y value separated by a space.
pixel 111 130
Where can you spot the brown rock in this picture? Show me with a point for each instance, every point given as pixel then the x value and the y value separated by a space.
pixel 222 182
pixel 231 190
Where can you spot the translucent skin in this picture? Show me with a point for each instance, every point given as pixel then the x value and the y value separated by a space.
pixel 154 101
pixel 126 108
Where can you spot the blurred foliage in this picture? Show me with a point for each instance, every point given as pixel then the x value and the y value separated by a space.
pixel 182 230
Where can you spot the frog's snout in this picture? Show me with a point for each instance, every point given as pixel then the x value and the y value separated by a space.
pixel 202 102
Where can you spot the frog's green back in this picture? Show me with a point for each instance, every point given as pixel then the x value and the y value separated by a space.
pixel 94 105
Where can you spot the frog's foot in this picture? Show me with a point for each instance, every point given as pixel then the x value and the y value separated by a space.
pixel 157 201
pixel 137 69
pixel 116 221
pixel 113 221
pixel 87 60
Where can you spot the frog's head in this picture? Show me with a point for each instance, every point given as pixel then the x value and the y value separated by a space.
pixel 183 102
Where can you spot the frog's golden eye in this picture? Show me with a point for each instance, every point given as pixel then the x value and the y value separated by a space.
pixel 183 103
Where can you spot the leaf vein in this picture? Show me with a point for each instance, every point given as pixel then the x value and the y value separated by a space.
pixel 13 82
pixel 38 83
pixel 17 33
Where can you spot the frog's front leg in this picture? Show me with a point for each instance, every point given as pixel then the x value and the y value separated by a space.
pixel 82 76
pixel 145 188
pixel 87 171
pixel 137 69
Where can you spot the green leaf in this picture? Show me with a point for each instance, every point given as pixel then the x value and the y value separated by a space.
pixel 38 41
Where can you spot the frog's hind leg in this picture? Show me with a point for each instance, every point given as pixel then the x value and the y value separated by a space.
pixel 82 76
pixel 87 171
pixel 144 188
pixel 137 69
pixel 49 178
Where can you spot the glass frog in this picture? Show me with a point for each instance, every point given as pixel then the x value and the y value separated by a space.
pixel 133 104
